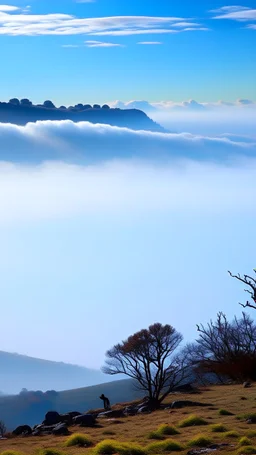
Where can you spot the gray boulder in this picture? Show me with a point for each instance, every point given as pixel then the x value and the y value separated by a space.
pixel 22 430
pixel 85 420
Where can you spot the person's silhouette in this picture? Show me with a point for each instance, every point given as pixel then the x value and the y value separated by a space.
pixel 106 402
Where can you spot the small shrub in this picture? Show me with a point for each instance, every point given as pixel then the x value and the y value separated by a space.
pixel 50 452
pixel 224 412
pixel 77 439
pixel 192 420
pixel 164 446
pixel 246 450
pixel 167 430
pixel 108 432
pixel 199 441
pixel 244 441
pixel 218 428
pixel 243 398
pixel 107 447
pixel 155 435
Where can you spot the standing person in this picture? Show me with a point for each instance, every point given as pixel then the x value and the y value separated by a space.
pixel 106 402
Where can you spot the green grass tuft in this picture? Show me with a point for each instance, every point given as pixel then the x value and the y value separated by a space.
pixel 199 441
pixel 50 452
pixel 155 435
pixel 164 446
pixel 224 412
pixel 167 430
pixel 10 452
pixel 111 446
pixel 231 434
pixel 251 433
pixel 107 447
pixel 244 441
pixel 218 428
pixel 192 420
pixel 77 439
pixel 128 448
pixel 246 450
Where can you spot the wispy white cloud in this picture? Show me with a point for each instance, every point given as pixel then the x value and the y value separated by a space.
pixel 101 44
pixel 8 8
pixel 70 46
pixel 15 22
pixel 236 13
pixel 150 43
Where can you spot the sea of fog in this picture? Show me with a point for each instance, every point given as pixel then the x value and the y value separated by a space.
pixel 107 230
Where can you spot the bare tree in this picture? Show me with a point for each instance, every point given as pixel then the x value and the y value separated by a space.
pixel 250 282
pixel 2 428
pixel 228 349
pixel 149 357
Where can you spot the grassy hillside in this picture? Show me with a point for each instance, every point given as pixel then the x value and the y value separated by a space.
pixel 19 371
pixel 30 409
pixel 223 421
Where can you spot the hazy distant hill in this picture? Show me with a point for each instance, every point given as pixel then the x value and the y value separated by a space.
pixel 133 118
pixel 19 371
pixel 31 408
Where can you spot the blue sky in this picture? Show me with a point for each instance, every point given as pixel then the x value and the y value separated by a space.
pixel 90 254
pixel 103 61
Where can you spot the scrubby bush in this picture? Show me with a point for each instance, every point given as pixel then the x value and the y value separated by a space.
pixel 77 439
pixel 192 420
pixel 200 441
pixel 244 441
pixel 224 412
pixel 164 446
pixel 218 428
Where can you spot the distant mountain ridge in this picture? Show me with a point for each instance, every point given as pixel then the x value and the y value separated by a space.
pixel 21 114
pixel 20 371
pixel 29 408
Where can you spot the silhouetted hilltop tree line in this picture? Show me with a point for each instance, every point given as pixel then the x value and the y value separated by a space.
pixel 50 105
pixel 21 112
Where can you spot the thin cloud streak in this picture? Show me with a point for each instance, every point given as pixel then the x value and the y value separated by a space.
pixel 13 22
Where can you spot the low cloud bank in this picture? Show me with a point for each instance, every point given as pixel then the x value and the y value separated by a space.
pixel 86 143
pixel 191 116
